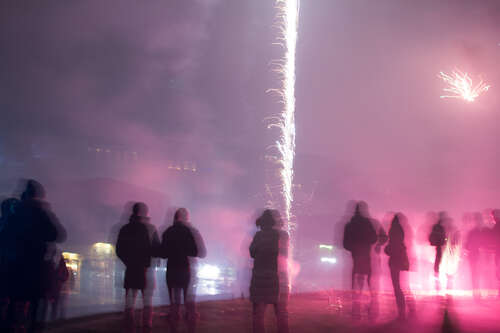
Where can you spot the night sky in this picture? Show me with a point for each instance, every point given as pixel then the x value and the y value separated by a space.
pixel 189 78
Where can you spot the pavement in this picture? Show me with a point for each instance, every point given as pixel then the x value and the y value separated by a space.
pixel 327 311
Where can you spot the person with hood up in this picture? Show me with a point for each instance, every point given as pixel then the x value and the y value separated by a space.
pixel 33 226
pixel 268 284
pixel 398 261
pixel 181 243
pixel 359 237
pixel 137 243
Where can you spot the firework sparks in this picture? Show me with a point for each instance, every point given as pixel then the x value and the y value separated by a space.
pixel 286 23
pixel 460 86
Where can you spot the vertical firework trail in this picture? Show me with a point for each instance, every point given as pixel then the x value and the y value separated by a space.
pixel 286 23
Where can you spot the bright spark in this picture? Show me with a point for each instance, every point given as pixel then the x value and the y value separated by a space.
pixel 287 24
pixel 460 86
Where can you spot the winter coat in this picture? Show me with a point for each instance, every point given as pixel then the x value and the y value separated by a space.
pixel 396 249
pixel 475 240
pixel 359 236
pixel 32 227
pixel 137 242
pixel 264 249
pixel 437 236
pixel 177 245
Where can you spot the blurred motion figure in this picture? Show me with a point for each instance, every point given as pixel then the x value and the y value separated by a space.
pixel 137 243
pixel 437 238
pixel 33 226
pixel 181 242
pixel 269 283
pixel 359 236
pixel 398 262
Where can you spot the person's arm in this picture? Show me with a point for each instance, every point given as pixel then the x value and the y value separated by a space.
pixel 163 249
pixel 155 244
pixel 119 248
pixel 200 244
pixel 254 245
pixel 192 250
pixel 347 241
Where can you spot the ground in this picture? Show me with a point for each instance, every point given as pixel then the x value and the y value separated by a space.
pixel 319 312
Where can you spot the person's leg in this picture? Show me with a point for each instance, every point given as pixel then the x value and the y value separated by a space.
pixel 373 285
pixel 259 310
pixel 130 297
pixel 474 277
pixel 21 314
pixel 4 313
pixel 147 311
pixel 192 316
pixel 437 264
pixel 174 315
pixel 54 308
pixel 410 302
pixel 147 300
pixel 398 293
pixel 359 280
pixel 281 311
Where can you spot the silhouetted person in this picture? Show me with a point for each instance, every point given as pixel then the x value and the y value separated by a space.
pixel 496 243
pixel 34 225
pixel 359 236
pixel 437 238
pixel 376 268
pixel 8 208
pixel 177 246
pixel 474 241
pixel 192 315
pixel 137 243
pixel 268 245
pixel 398 261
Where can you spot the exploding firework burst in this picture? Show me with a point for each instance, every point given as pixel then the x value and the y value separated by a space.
pixel 460 86
pixel 286 24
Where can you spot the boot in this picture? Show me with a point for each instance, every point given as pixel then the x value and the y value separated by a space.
pixel 191 316
pixel 173 318
pixel 147 319
pixel 129 321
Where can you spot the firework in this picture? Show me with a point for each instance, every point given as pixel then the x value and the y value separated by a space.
pixel 286 24
pixel 460 86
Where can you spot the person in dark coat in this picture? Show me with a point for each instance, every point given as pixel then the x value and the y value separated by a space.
pixel 8 208
pixel 359 237
pixel 178 246
pixel 495 233
pixel 474 241
pixel 137 243
pixel 398 260
pixel 437 238
pixel 34 225
pixel 266 288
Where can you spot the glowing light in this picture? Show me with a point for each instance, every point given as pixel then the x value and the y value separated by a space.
pixel 103 248
pixel 460 86
pixel 324 246
pixel 329 260
pixel 287 24
pixel 209 272
pixel 71 256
